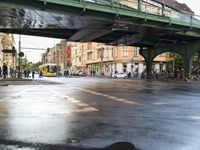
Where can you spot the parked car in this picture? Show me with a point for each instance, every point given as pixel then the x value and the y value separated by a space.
pixel 82 73
pixel 120 75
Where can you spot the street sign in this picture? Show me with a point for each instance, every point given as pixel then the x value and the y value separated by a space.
pixel 21 54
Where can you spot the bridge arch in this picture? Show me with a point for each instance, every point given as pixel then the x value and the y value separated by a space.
pixel 150 56
pixel 168 65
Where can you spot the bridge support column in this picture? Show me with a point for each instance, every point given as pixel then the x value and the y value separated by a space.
pixel 187 67
pixel 149 67
pixel 148 56
pixel 187 53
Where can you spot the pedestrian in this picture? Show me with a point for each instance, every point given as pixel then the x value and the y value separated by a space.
pixel 28 74
pixel 0 72
pixel 129 74
pixel 11 72
pixel 25 72
pixel 65 73
pixel 40 75
pixel 33 74
pixel 91 72
pixel 5 71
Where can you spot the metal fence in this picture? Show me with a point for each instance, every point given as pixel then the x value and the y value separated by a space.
pixel 149 7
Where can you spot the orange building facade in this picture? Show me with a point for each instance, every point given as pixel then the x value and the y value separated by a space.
pixel 97 58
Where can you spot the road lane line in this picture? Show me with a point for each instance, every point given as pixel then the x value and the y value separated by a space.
pixel 86 107
pixel 160 103
pixel 195 117
pixel 109 96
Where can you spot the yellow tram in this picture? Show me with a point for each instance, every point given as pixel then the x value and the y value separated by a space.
pixel 48 70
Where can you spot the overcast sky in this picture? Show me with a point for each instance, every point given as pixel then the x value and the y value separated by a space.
pixel 44 43
pixel 34 42
pixel 193 4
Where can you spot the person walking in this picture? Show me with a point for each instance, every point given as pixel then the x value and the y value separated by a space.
pixel 40 75
pixel 5 71
pixel 0 72
pixel 11 72
pixel 25 73
pixel 33 74
pixel 28 74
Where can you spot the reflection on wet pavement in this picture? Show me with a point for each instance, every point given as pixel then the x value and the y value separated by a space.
pixel 85 113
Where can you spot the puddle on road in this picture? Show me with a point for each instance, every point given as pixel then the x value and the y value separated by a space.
pixel 4 84
pixel 6 147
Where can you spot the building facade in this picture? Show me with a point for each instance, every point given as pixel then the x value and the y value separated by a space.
pixel 6 50
pixel 97 59
pixel 100 59
pixel 60 54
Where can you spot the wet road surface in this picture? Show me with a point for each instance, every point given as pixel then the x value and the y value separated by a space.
pixel 72 113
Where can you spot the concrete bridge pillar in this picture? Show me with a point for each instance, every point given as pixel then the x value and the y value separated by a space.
pixel 148 56
pixel 149 67
pixel 187 66
pixel 187 55
pixel 188 52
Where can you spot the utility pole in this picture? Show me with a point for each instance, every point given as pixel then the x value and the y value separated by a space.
pixel 102 60
pixel 19 73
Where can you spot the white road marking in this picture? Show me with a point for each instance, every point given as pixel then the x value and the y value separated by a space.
pixel 195 117
pixel 160 103
pixel 125 101
pixel 109 96
pixel 86 107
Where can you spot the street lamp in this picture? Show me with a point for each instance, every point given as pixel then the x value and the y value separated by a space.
pixel 14 55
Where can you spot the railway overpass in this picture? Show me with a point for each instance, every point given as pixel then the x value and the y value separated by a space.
pixel 150 25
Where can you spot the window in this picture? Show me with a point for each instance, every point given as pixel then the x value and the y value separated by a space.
pixel 94 55
pixel 89 45
pixel 112 52
pixel 136 51
pixel 89 56
pixel 116 51
pixel 125 50
pixel 100 53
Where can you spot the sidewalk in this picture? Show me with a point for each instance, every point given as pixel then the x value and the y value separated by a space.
pixel 15 79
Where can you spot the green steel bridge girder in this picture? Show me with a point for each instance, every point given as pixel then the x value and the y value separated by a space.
pixel 101 10
pixel 187 51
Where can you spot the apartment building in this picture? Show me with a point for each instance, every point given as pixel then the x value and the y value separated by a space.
pixel 98 58
pixel 6 49
pixel 1 48
pixel 60 54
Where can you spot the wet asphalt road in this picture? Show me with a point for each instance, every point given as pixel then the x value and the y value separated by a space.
pixel 64 113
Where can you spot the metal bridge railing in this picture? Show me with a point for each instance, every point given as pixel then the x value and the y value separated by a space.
pixel 150 8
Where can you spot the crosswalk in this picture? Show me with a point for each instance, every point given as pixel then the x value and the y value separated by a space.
pixel 83 107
